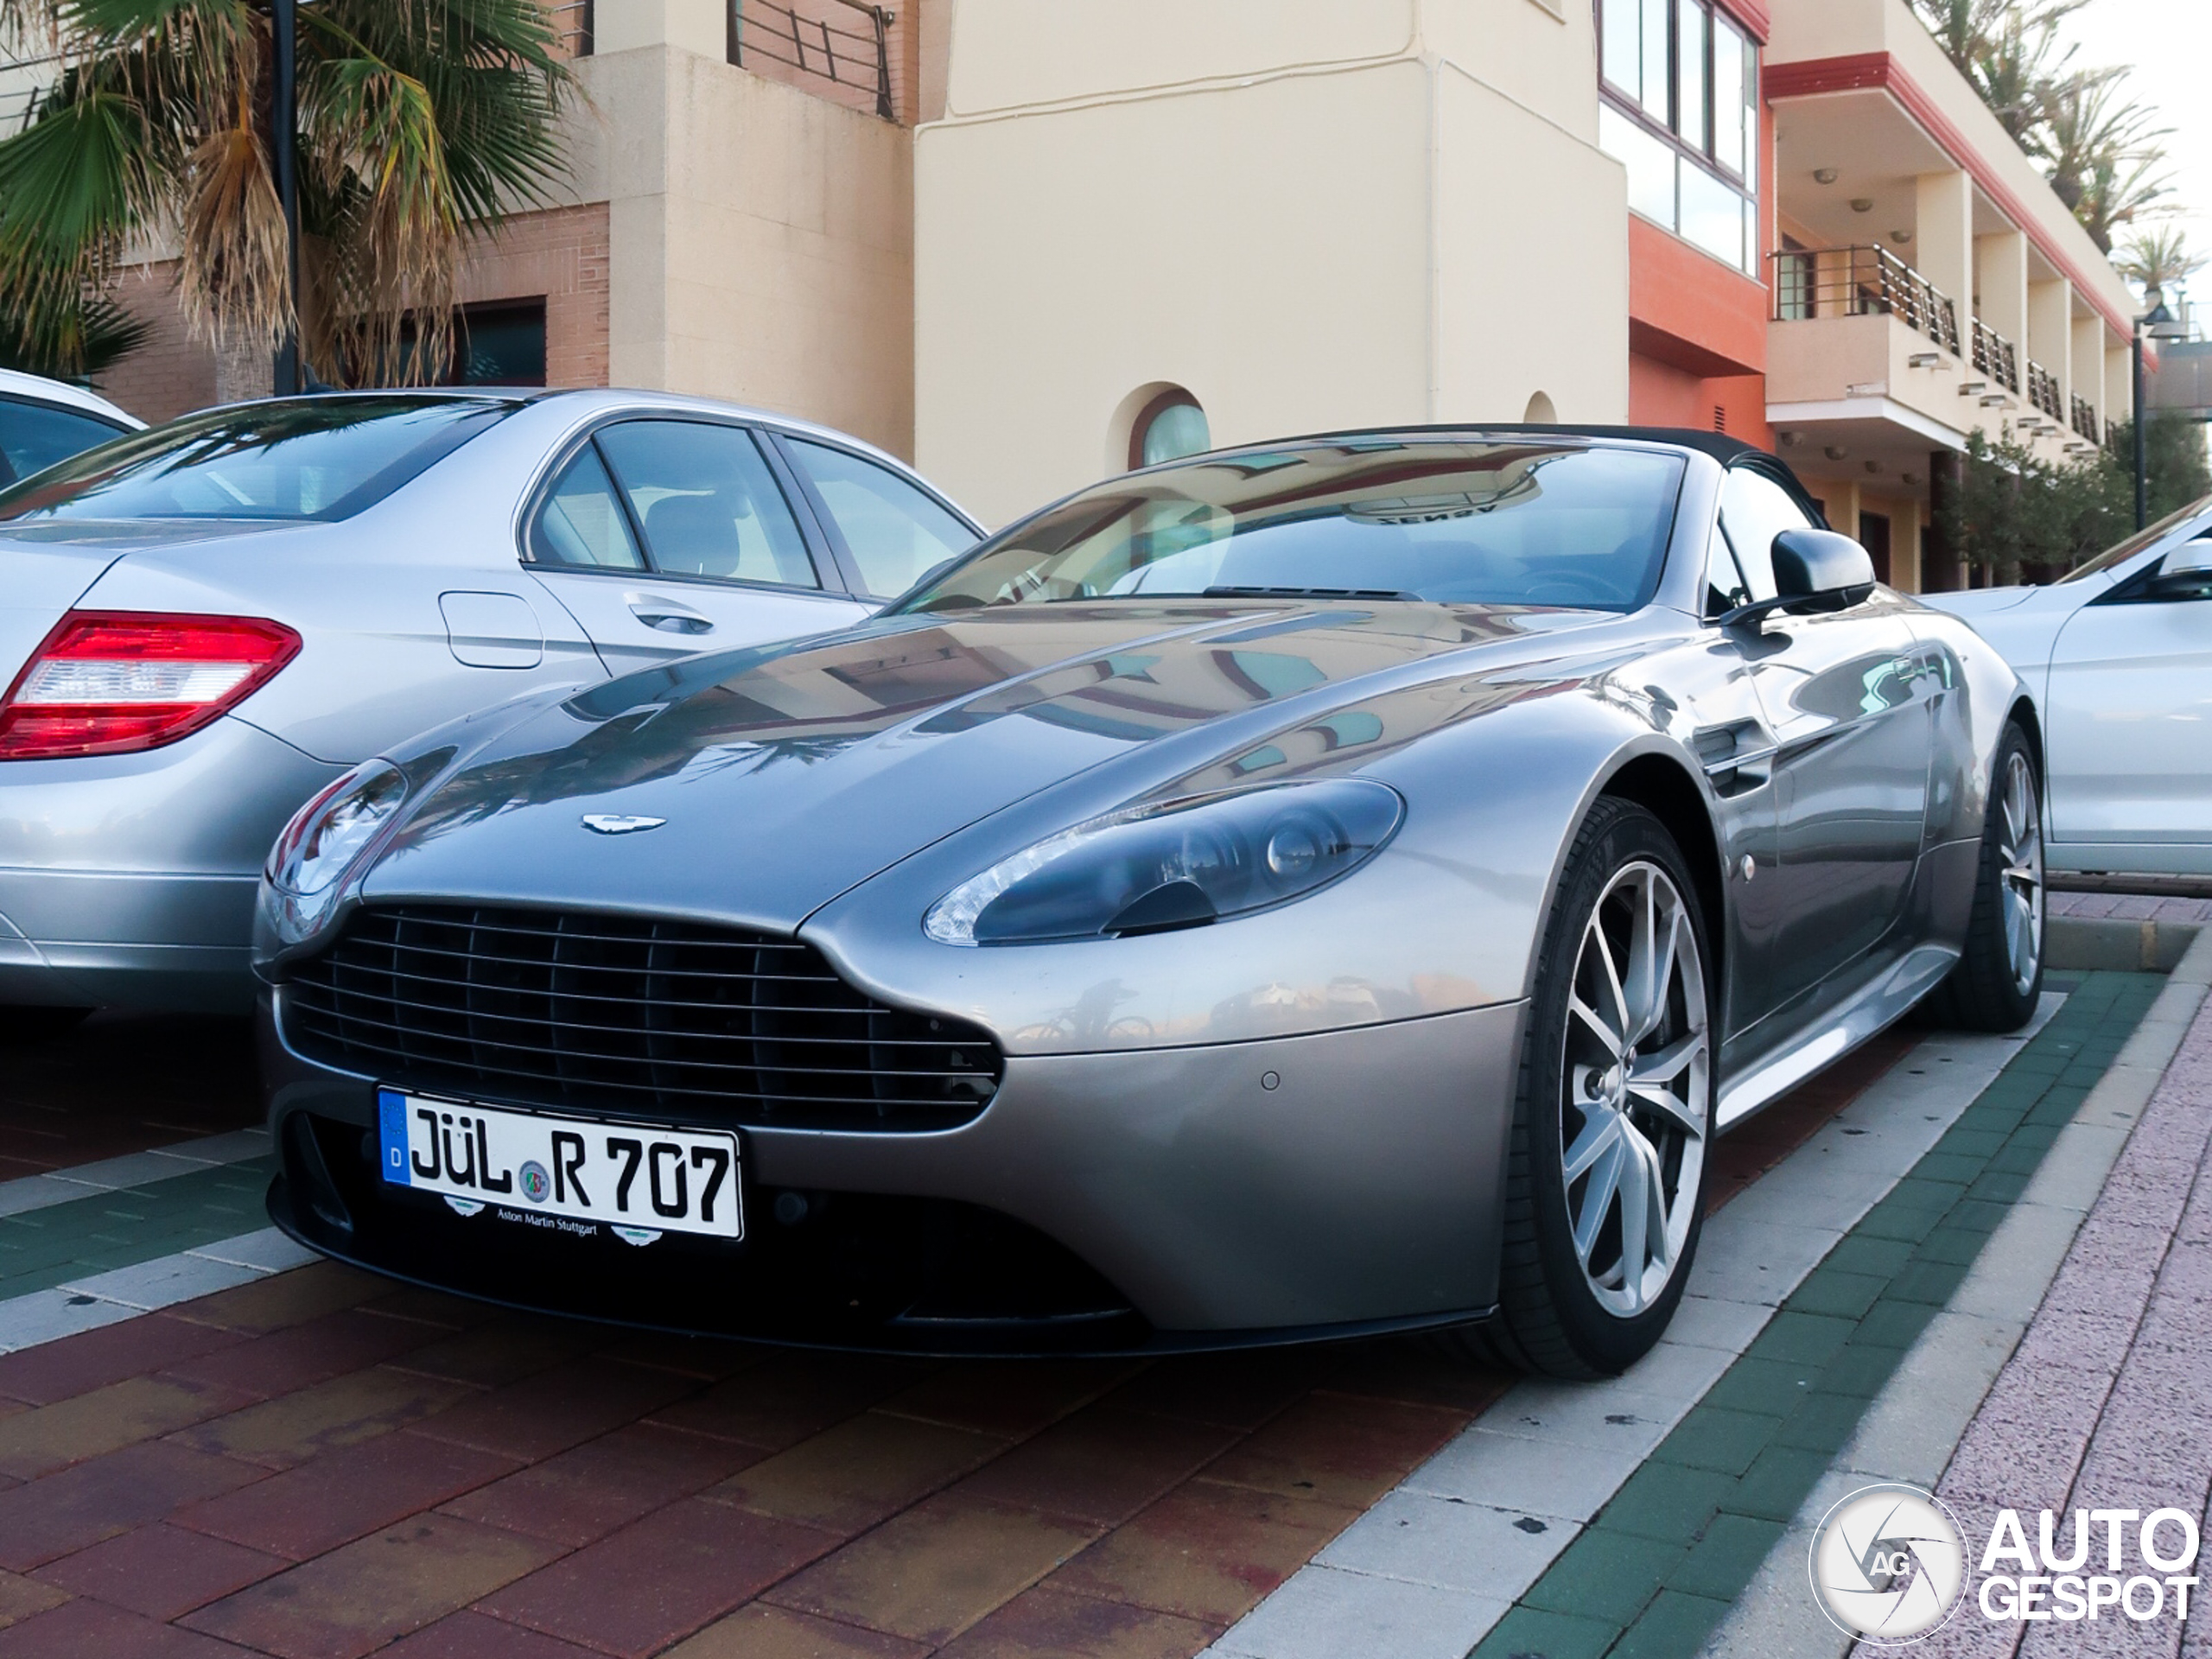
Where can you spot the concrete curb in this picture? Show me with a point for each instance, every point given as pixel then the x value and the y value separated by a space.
pixel 2088 943
pixel 1916 1423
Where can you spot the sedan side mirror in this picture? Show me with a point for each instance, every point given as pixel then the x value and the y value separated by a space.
pixel 1811 566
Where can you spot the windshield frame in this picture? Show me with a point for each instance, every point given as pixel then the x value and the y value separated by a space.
pixel 2141 540
pixel 148 445
pixel 1653 588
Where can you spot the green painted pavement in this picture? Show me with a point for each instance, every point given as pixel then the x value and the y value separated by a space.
pixel 1657 1570
pixel 41 1249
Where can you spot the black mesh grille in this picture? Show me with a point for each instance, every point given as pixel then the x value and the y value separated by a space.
pixel 615 1013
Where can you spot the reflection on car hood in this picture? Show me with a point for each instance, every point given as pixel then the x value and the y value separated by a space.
pixel 1979 602
pixel 787 775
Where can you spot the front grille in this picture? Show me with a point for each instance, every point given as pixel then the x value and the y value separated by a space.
pixel 616 1014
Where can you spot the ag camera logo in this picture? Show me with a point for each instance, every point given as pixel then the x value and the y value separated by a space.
pixel 1888 1564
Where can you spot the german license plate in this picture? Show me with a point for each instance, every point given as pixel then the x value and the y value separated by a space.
pixel 636 1179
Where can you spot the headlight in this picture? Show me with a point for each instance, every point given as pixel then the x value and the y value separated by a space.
pixel 1174 864
pixel 326 835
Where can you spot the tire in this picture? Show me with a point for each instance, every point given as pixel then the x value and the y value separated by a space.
pixel 1568 1307
pixel 20 1026
pixel 2000 975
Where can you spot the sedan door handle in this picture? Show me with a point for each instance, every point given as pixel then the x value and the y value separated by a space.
pixel 671 619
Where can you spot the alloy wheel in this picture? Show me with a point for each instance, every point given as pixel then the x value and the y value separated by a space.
pixel 2020 849
pixel 1636 1081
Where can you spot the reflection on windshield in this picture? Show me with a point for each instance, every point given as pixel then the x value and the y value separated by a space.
pixel 2135 543
pixel 310 458
pixel 1449 522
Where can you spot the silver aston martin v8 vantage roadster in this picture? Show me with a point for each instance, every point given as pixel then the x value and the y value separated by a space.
pixel 1335 887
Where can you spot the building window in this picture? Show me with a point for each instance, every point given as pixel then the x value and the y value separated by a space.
pixel 1680 111
pixel 1169 428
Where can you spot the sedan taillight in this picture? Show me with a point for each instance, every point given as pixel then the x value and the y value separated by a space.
pixel 113 681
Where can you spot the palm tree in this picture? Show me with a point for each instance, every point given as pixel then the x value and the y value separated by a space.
pixel 2160 258
pixel 418 121
pixel 2103 155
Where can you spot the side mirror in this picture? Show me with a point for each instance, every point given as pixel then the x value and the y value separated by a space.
pixel 1814 563
pixel 1810 565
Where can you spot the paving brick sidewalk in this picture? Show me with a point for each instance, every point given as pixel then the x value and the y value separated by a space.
pixel 2107 1401
pixel 323 1465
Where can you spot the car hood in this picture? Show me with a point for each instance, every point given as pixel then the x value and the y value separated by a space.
pixel 1979 602
pixel 781 777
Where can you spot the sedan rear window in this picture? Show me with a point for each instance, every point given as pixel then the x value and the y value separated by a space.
pixel 1507 523
pixel 308 459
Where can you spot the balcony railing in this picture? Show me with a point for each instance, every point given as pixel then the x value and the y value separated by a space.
pixel 838 47
pixel 1996 356
pixel 2085 420
pixel 572 26
pixel 1859 282
pixel 2042 390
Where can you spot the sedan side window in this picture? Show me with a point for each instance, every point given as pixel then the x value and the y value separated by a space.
pixel 33 436
pixel 583 523
pixel 895 531
pixel 1754 510
pixel 708 503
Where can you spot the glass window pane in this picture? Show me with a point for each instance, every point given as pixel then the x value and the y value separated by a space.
pixel 1712 214
pixel 1751 135
pixel 315 458
pixel 1656 77
pixel 1455 523
pixel 33 436
pixel 1649 162
pixel 1754 510
pixel 1177 430
pixel 895 531
pixel 1727 95
pixel 582 524
pixel 1622 39
pixel 1690 85
pixel 1754 245
pixel 709 504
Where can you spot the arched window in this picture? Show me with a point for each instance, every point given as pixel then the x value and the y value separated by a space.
pixel 1169 427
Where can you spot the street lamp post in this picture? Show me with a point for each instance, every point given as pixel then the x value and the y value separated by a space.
pixel 2159 324
pixel 284 160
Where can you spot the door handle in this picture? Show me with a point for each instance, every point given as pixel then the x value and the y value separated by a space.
pixel 671 619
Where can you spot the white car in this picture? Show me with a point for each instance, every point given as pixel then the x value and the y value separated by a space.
pixel 2118 658
pixel 44 421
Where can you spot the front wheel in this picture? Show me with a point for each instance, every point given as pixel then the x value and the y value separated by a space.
pixel 1998 978
pixel 1605 1189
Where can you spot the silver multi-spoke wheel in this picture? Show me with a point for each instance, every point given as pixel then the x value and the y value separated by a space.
pixel 1635 1081
pixel 2019 851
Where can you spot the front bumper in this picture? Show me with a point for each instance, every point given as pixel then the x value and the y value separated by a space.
pixel 1335 1184
pixel 129 879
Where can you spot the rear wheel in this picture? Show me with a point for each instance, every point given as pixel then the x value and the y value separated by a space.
pixel 1605 1188
pixel 22 1026
pixel 1998 978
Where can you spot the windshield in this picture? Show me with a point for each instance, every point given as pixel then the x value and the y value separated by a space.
pixel 2135 543
pixel 1518 523
pixel 313 458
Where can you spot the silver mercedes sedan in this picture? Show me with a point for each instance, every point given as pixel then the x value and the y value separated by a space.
pixel 203 624
pixel 1332 887
pixel 2118 655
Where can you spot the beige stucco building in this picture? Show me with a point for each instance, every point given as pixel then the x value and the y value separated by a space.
pixel 1026 244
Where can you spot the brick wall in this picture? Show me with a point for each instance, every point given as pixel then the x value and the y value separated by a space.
pixel 171 372
pixel 561 253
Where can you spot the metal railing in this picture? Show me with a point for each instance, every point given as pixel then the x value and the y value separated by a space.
pixel 852 54
pixel 572 26
pixel 1996 356
pixel 2085 420
pixel 2042 391
pixel 1861 282
pixel 24 79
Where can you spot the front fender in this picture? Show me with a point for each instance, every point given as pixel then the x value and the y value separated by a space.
pixel 1446 919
